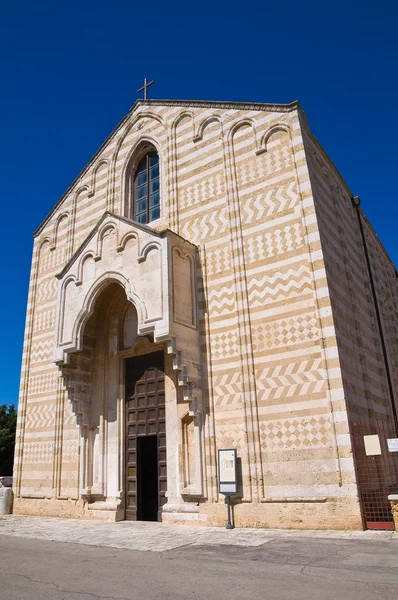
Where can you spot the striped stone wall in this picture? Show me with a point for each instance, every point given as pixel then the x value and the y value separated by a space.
pixel 355 320
pixel 238 182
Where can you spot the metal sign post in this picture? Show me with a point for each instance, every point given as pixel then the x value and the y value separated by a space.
pixel 227 478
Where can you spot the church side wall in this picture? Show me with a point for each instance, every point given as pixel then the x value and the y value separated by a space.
pixel 354 313
pixel 362 361
pixel 385 281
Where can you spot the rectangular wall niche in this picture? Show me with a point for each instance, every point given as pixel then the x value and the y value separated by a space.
pixel 184 300
pixel 188 436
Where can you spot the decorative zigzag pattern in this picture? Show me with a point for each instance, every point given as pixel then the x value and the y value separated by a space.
pixel 40 416
pixel 46 290
pixel 41 350
pixel 293 379
pixel 69 415
pixel 263 204
pixel 205 226
pixel 221 301
pixel 268 289
pixel 272 243
pixel 227 389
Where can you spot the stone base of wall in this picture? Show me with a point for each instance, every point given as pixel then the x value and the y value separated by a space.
pixel 69 509
pixel 337 513
pixel 330 513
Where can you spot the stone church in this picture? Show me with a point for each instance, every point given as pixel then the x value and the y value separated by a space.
pixel 207 282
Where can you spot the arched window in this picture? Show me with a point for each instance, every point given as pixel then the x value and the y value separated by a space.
pixel 146 197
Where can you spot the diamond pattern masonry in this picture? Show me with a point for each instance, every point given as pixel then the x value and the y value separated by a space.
pixel 285 332
pixel 311 432
pixel 38 452
pixel 224 345
pixel 271 243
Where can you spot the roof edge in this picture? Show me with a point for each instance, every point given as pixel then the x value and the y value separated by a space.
pixel 220 104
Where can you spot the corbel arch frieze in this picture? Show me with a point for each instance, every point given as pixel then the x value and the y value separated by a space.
pixel 152 245
pixel 86 256
pixel 45 240
pixel 272 129
pixel 103 162
pixel 64 216
pixel 186 114
pixel 130 235
pixel 106 229
pixel 205 123
pixel 235 127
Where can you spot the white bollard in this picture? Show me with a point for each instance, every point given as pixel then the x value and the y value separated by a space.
pixel 5 500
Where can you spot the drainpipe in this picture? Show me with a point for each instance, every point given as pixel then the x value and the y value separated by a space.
pixel 356 202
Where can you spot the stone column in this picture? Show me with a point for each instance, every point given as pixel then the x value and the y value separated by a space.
pixel 5 500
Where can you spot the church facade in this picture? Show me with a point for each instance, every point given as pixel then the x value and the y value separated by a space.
pixel 207 282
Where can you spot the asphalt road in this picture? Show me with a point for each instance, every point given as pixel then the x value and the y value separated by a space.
pixel 282 569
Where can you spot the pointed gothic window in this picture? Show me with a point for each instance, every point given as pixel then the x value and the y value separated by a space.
pixel 146 197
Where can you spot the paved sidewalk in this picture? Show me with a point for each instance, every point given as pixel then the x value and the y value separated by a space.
pixel 160 537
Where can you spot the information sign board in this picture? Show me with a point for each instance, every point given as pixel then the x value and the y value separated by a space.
pixel 392 444
pixel 227 472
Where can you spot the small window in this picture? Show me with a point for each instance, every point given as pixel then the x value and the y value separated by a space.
pixel 146 197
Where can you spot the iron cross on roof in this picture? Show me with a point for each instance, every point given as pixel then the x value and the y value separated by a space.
pixel 145 86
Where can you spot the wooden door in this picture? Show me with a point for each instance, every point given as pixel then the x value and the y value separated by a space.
pixel 145 416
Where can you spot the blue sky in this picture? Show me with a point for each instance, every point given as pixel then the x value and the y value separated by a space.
pixel 69 73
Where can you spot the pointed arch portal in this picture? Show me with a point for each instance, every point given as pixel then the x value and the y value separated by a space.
pixel 127 339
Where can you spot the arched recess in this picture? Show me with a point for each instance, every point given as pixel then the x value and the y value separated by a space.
pixel 99 181
pixel 44 254
pixel 205 123
pixel 60 230
pixel 272 131
pixel 92 378
pixel 80 204
pixel 182 133
pixel 90 302
pixel 275 154
pixel 243 124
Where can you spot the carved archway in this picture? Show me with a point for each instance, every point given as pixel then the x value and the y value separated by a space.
pixel 127 270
